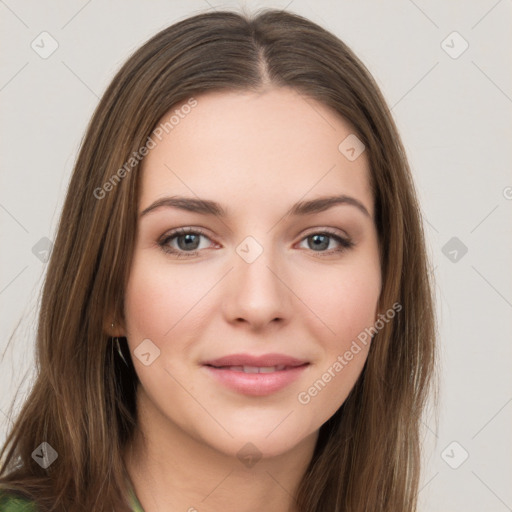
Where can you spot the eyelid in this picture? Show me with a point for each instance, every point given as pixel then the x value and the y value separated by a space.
pixel 346 242
pixel 174 233
pixel 331 231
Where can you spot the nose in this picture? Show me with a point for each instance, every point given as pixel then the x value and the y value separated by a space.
pixel 256 292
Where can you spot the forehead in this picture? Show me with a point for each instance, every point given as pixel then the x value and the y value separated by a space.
pixel 253 150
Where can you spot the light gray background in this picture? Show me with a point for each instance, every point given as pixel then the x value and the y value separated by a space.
pixel 454 115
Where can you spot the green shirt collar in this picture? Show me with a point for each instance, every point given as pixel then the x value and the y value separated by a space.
pixel 9 502
pixel 134 502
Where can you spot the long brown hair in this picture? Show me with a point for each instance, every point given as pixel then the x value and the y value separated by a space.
pixel 83 401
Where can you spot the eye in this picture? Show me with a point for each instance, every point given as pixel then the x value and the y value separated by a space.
pixel 318 241
pixel 187 240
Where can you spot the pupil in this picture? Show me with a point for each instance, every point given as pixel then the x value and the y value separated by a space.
pixel 322 245
pixel 188 238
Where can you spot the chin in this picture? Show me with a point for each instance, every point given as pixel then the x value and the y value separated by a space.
pixel 261 440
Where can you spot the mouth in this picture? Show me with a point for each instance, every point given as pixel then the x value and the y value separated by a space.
pixel 257 369
pixel 256 361
pixel 255 375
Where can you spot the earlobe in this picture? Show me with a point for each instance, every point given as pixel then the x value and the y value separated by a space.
pixel 114 330
pixel 113 323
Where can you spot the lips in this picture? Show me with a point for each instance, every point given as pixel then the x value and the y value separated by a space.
pixel 256 369
pixel 256 375
pixel 249 361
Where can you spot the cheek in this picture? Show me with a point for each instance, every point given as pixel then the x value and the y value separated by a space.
pixel 358 304
pixel 145 301
pixel 345 301
pixel 157 298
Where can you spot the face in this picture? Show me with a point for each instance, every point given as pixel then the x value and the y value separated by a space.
pixel 242 316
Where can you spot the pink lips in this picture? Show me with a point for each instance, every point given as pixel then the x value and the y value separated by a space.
pixel 256 375
pixel 248 360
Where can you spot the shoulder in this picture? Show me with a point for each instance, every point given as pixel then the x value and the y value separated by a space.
pixel 13 502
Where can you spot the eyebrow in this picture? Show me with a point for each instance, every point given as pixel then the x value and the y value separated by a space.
pixel 208 207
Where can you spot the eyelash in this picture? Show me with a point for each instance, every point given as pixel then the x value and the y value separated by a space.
pixel 345 243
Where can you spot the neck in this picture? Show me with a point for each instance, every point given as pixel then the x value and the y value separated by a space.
pixel 172 470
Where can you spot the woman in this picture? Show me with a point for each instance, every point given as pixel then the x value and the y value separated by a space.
pixel 281 364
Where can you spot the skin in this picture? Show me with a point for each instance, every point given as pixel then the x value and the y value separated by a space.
pixel 257 154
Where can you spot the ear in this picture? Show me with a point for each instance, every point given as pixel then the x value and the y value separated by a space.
pixel 114 330
pixel 113 326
